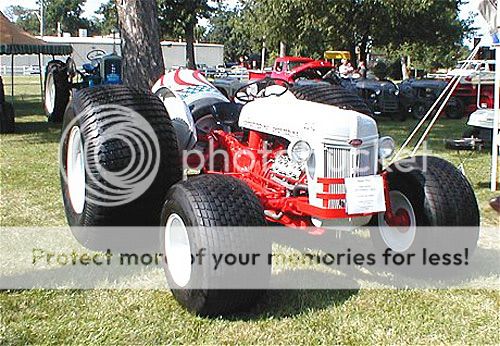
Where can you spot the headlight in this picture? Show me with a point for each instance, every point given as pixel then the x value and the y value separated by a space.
pixel 378 92
pixel 385 147
pixel 300 151
pixel 311 166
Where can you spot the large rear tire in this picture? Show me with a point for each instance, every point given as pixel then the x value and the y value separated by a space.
pixel 431 193
pixel 57 91
pixel 331 94
pixel 195 216
pixel 109 132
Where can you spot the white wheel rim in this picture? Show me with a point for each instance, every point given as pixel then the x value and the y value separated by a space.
pixel 178 250
pixel 75 160
pixel 396 238
pixel 50 94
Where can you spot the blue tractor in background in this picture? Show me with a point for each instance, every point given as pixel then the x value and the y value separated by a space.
pixel 63 77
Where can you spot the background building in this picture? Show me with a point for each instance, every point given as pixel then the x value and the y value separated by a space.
pixel 174 53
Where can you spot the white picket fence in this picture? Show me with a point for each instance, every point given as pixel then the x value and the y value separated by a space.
pixel 24 70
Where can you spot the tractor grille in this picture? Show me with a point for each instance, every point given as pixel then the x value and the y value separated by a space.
pixel 388 102
pixel 345 163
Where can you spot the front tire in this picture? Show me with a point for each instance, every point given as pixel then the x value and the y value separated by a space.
pixel 428 192
pixel 419 110
pixel 196 216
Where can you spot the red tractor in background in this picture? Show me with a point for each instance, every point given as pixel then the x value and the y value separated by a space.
pixel 292 69
pixel 476 88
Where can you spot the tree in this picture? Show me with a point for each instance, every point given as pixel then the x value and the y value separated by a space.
pixel 67 12
pixel 179 18
pixel 425 30
pixel 140 33
pixel 108 18
pixel 228 26
pixel 24 17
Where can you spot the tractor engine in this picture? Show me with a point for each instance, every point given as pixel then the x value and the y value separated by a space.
pixel 322 142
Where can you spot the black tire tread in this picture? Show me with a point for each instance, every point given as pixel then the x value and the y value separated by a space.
pixel 219 201
pixel 63 89
pixel 115 155
pixel 449 197
pixel 330 94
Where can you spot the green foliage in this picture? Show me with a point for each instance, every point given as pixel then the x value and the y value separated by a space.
pixel 24 17
pixel 429 31
pixel 228 26
pixel 68 13
pixel 108 18
pixel 176 17
pixel 179 18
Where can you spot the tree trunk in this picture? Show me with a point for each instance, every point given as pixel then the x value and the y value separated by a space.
pixel 190 56
pixel 141 49
pixel 404 69
pixel 354 56
pixel 282 49
pixel 363 49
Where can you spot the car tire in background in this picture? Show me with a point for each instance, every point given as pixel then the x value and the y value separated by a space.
pixel 217 214
pixel 57 91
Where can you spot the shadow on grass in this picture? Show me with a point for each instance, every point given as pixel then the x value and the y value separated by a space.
pixel 27 106
pixel 289 303
pixel 38 132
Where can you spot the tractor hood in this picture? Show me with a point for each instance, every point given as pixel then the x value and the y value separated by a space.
pixel 315 64
pixel 293 119
pixel 373 84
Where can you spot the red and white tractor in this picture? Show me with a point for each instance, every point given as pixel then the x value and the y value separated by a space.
pixel 300 156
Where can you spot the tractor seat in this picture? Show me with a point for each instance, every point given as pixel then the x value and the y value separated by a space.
pixel 228 113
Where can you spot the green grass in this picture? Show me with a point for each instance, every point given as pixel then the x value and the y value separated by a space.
pixel 30 195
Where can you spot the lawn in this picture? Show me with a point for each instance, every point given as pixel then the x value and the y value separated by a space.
pixel 30 196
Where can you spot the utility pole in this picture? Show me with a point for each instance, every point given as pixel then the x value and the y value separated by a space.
pixel 263 56
pixel 42 21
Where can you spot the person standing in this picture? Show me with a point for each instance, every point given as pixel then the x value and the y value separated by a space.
pixel 343 68
pixel 362 69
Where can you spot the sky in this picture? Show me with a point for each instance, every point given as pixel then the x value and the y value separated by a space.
pixel 92 5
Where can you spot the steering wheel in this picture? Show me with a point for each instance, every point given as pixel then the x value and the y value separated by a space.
pixel 95 54
pixel 333 76
pixel 72 70
pixel 258 89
